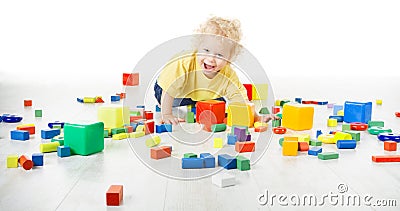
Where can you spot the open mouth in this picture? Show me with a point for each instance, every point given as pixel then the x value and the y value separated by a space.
pixel 208 67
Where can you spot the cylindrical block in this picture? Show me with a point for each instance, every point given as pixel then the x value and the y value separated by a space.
pixel 25 162
pixel 342 136
pixel 49 147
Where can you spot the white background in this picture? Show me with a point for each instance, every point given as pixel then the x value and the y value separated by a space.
pixel 49 42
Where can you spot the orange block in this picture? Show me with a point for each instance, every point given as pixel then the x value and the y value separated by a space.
pixel 303 146
pixel 130 79
pixel 386 158
pixel 114 195
pixel 160 152
pixel 210 112
pixel 29 128
pixel 25 162
pixel 246 146
pixel 149 126
pixel 27 102
pixel 390 145
pixel 121 95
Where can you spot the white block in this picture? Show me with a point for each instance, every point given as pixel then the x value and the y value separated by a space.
pixel 223 180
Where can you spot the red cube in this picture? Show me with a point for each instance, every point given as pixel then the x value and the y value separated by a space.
pixel 27 102
pixel 160 152
pixel 246 146
pixel 149 126
pixel 148 114
pixel 303 146
pixel 210 112
pixel 114 195
pixel 130 79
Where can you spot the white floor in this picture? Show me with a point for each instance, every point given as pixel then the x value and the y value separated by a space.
pixel 80 182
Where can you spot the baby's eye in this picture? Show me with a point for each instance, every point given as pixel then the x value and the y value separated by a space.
pixel 220 55
pixel 206 50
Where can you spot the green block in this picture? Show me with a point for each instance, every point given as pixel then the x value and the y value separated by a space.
pixel 345 126
pixel 106 135
pixel 135 113
pixel 279 115
pixel 355 135
pixel 276 123
pixel 118 130
pixel 264 110
pixel 218 127
pixel 58 138
pixel 281 141
pixel 190 155
pixel 84 139
pixel 38 113
pixel 328 155
pixel 375 130
pixel 190 117
pixel 283 102
pixel 315 142
pixel 376 123
pixel 242 163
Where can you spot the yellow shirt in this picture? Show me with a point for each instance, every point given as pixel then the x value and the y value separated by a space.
pixel 183 78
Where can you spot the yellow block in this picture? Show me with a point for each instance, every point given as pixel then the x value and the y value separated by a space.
pixel 137 134
pixel 332 122
pixel 303 137
pixel 378 102
pixel 25 125
pixel 342 136
pixel 290 148
pixel 259 124
pixel 218 143
pixel 89 100
pixel 260 91
pixel 277 102
pixel 327 138
pixel 153 141
pixel 297 116
pixel 241 114
pixel 113 116
pixel 140 128
pixel 340 113
pixel 12 161
pixel 291 138
pixel 49 147
pixel 120 136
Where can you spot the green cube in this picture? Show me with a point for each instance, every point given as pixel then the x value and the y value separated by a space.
pixel 315 142
pixel 118 130
pixel 276 122
pixel 355 135
pixel 376 123
pixel 84 139
pixel 58 138
pixel 328 155
pixel 190 155
pixel 279 115
pixel 190 117
pixel 38 113
pixel 345 126
pixel 242 163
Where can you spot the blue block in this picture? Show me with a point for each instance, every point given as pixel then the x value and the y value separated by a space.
pixel 389 137
pixel 115 98
pixel 357 112
pixel 63 151
pixel 314 151
pixel 346 144
pixel 37 159
pixel 158 109
pixel 319 132
pixel 1 118
pixel 209 160
pixel 322 102
pixel 232 139
pixel 52 124
pixel 79 100
pixel 11 118
pixel 298 99
pixel 194 109
pixel 134 125
pixel 337 108
pixel 50 133
pixel 163 128
pixel 192 163
pixel 21 135
pixel 140 106
pixel 337 117
pixel 227 161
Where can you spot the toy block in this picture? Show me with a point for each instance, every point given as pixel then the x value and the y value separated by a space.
pixel 113 116
pixel 298 100
pixel 28 127
pixel 290 148
pixel 376 123
pixel 12 161
pixel 389 137
pixel 38 113
pixel 192 163
pixel 248 137
pixel 99 100
pixel 241 114
pixel 355 135
pixel 25 162
pixel 137 134
pixel 63 151
pixel 130 79
pixel 322 102
pixel 390 145
pixel 249 88
pixel 135 113
pixel 329 105
pixel 345 126
pixel 27 103
pixel 327 139
pixel 358 126
pixel 223 180
pixel 227 161
pixel 281 141
pixel 247 146
pixel 209 160
pixel 141 106
pixel 160 152
pixel 341 136
pixel 291 138
pixel 11 118
pixel 80 100
pixel 242 163
pixel 210 112
pixel 128 129
pixel 279 130
pixel 328 155
pixel 303 137
pixel 375 130
pixel 49 147
pixel 55 124
pixel 114 195
pixel 218 127
pixel 120 136
pixel 276 109
pixel 1 118
pixel 315 142
pixel 115 98
pixel 218 143
pixel 357 112
pixel 232 139
pixel 149 126
pixel 59 138
pixel 277 102
pixel 84 139
pixel 386 158
pixel 163 128
pixel 189 155
pixel 89 100
pixel 315 151
pixel 260 129
pixel 118 130
pixel 303 146
pixel 153 141
pixel 148 115
pixel 379 102
pixel 106 133
pixel 337 108
pixel 279 115
pixel 307 102
pixel 158 109
pixel 121 95
pixel 264 110
pixel 37 159
pixel 240 133
pixel 346 144
pixel 21 135
pixel 260 91
pixel 297 117
pixel 319 132
pixel 283 102
pixel 397 114
pixel 140 128
pixel 260 124
pixel 190 117
pixel 337 117
pixel 50 133
pixel 276 122
pixel 341 113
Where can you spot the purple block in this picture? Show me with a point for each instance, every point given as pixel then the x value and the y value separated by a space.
pixel 240 134
pixel 248 137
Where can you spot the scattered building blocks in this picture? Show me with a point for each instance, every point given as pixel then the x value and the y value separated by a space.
pixel 242 163
pixel 190 117
pixel 63 151
pixel 314 142
pixel 49 147
pixel 346 144
pixel 303 146
pixel 11 118
pixel 389 137
pixel 49 133
pixel 21 135
pixel 328 155
pixel 357 112
pixel 297 116
pixel 209 160
pixel 218 143
pixel 137 134
pixel 84 139
pixel 160 152
pixel 27 127
pixel 264 110
pixel 260 91
pixel 376 123
pixel 192 163
pixel 315 151
pixel 210 112
pixel 114 195
pixel 375 130
pixel 337 108
pixel 163 128
pixel 27 103
pixel 260 129
pixel 355 135
pixel 342 136
pixel 358 126
pixel 390 146
pixel 59 138
pixel 290 148
pixel 246 146
pixel 231 139
pixel 327 139
pixel 378 102
pixel 218 127
pixel 153 141
pixel 12 161
pixel 385 158
pixel 227 161
pixel 37 159
pixel 223 180
pixel 120 136
pixel 130 79
pixel 113 116
pixel 25 162
pixel 241 114
pixel 190 155
pixel 279 130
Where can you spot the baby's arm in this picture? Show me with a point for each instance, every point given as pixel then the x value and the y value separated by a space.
pixel 166 109
pixel 264 118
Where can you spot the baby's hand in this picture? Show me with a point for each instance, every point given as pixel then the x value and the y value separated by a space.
pixel 171 119
pixel 266 118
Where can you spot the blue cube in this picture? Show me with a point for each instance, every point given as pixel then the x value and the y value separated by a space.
pixel 192 163
pixel 21 135
pixel 209 160
pixel 232 139
pixel 50 133
pixel 357 112
pixel 63 151
pixel 115 98
pixel 346 144
pixel 337 108
pixel 163 128
pixel 37 159
pixel 227 161
pixel 314 151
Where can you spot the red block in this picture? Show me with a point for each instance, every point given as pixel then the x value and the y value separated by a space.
pixel 386 158
pixel 210 112
pixel 246 146
pixel 260 129
pixel 279 130
pixel 129 129
pixel 30 129
pixel 397 114
pixel 390 145
pixel 249 88
pixel 148 114
pixel 25 162
pixel 303 146
pixel 114 195
pixel 99 100
pixel 121 95
pixel 27 102
pixel 358 126
pixel 276 109
pixel 160 152
pixel 130 79
pixel 149 126
pixel 306 102
pixel 135 118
